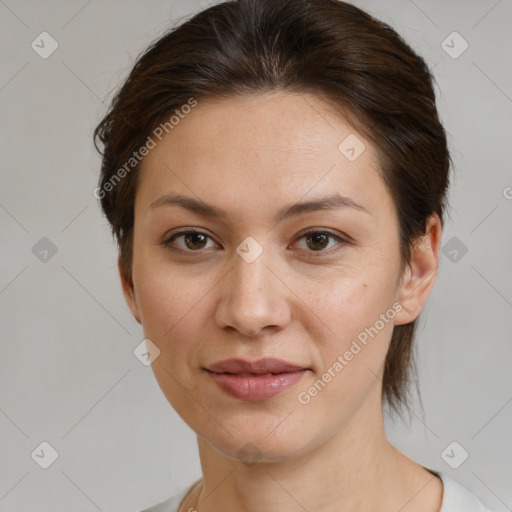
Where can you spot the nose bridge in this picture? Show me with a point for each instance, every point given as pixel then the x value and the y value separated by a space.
pixel 251 276
pixel 252 298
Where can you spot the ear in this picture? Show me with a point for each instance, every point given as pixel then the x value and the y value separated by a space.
pixel 419 276
pixel 128 291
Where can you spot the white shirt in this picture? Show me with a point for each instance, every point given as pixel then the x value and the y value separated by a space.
pixel 456 498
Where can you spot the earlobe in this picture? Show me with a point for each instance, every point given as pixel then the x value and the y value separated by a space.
pixel 128 291
pixel 419 276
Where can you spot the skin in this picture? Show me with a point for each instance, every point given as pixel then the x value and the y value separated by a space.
pixel 252 156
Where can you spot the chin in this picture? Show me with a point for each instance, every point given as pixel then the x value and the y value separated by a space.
pixel 252 451
pixel 259 441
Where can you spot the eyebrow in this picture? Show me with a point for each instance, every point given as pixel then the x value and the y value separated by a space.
pixel 332 202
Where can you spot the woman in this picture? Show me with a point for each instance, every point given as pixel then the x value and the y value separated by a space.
pixel 275 173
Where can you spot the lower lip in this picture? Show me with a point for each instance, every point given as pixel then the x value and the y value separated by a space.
pixel 256 387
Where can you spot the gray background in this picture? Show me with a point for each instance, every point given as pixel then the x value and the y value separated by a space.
pixel 68 373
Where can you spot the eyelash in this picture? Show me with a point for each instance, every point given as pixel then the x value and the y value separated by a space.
pixel 168 241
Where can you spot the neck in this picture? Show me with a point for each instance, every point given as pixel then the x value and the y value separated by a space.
pixel 357 469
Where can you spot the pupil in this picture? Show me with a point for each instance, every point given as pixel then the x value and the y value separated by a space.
pixel 317 239
pixel 194 237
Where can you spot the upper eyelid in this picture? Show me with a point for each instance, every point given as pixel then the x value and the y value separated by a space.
pixel 187 231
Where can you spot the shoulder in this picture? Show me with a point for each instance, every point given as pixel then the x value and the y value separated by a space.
pixel 457 498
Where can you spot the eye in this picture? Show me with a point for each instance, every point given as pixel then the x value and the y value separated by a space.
pixel 193 240
pixel 317 240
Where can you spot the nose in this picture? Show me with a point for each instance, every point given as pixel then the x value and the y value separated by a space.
pixel 254 298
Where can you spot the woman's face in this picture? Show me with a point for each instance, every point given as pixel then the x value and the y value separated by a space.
pixel 254 284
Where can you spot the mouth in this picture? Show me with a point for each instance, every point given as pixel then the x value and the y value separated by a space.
pixel 255 381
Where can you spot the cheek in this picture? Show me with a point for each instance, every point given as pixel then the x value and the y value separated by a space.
pixel 173 318
pixel 168 295
pixel 352 336
pixel 352 342
pixel 348 302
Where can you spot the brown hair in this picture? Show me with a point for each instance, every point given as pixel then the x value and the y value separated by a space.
pixel 326 47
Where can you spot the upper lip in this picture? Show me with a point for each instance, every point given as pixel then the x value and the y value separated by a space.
pixel 261 366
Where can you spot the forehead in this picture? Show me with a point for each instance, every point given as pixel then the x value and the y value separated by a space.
pixel 265 148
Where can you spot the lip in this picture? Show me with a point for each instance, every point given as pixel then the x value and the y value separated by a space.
pixel 258 367
pixel 251 381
